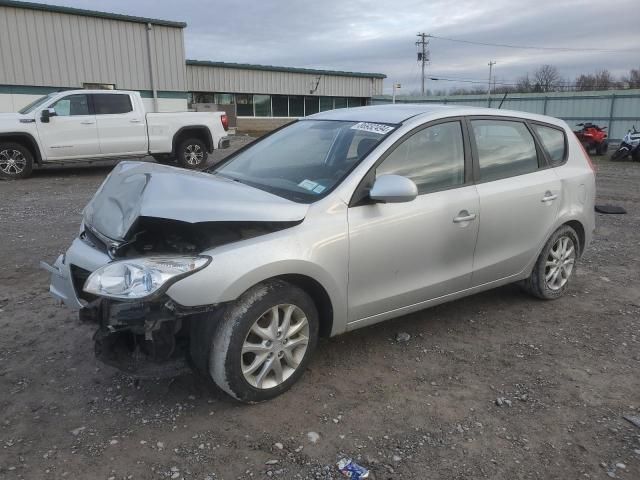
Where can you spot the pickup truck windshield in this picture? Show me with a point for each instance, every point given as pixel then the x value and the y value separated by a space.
pixel 37 103
pixel 305 160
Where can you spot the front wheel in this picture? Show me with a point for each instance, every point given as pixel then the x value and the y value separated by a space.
pixel 264 341
pixel 192 153
pixel 16 161
pixel 620 154
pixel 555 266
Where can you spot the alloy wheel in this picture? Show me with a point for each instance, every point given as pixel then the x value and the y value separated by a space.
pixel 12 162
pixel 193 154
pixel 275 346
pixel 560 262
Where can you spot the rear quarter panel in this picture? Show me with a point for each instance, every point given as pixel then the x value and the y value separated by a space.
pixel 161 127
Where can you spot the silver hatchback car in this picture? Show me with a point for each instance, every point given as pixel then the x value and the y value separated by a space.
pixel 338 221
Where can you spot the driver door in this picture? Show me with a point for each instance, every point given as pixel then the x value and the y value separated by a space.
pixel 72 132
pixel 403 254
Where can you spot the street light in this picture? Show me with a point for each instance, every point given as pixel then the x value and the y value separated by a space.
pixel 398 86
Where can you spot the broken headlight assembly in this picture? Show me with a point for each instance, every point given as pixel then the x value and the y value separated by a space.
pixel 138 278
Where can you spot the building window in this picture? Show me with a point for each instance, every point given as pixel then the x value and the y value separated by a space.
pixel 311 105
pixel 340 102
pixel 244 104
pixel 326 103
pixel 203 98
pixel 280 104
pixel 223 98
pixel 99 86
pixel 296 106
pixel 355 102
pixel 263 105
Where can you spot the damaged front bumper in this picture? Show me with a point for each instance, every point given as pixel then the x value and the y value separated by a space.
pixel 145 338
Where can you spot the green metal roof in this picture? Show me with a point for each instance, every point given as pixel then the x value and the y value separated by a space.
pixel 89 13
pixel 271 68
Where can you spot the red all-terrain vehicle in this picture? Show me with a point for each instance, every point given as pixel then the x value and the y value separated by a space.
pixel 593 138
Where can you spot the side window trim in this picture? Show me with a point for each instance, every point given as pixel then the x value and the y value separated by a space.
pixel 549 162
pixel 360 192
pixel 540 152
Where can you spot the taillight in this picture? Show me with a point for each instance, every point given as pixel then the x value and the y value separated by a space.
pixel 586 155
pixel 225 122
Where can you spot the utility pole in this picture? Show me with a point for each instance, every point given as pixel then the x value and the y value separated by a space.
pixel 491 64
pixel 423 55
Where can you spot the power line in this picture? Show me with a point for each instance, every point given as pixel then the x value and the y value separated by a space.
pixel 531 47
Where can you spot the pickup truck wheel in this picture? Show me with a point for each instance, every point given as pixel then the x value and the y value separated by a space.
pixel 264 341
pixel 192 153
pixel 16 161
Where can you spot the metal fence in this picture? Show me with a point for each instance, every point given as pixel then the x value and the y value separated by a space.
pixel 618 110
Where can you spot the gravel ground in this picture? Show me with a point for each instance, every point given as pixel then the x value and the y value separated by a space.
pixel 498 385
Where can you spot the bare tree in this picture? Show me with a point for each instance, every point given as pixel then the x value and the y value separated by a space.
pixel 524 84
pixel 633 79
pixel 546 78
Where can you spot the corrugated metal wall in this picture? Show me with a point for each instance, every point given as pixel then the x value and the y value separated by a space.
pixel 618 110
pixel 40 48
pixel 236 80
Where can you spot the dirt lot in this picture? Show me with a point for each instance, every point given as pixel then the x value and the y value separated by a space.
pixel 416 410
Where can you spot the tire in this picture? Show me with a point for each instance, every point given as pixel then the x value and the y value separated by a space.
pixel 16 161
pixel 164 159
pixel 602 148
pixel 192 154
pixel 235 333
pixel 539 283
pixel 620 154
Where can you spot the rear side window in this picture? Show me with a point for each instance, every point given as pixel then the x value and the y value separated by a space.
pixel 110 103
pixel 433 158
pixel 553 142
pixel 505 149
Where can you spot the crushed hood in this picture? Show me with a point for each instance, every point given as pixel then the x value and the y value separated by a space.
pixel 141 189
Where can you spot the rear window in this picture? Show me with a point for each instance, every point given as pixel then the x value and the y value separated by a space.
pixel 110 103
pixel 553 142
pixel 505 149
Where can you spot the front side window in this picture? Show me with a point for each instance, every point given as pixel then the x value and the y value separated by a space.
pixel 433 158
pixel 505 149
pixel 109 104
pixel 553 142
pixel 305 160
pixel 72 105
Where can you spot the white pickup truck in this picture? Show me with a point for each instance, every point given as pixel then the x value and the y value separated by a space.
pixel 92 124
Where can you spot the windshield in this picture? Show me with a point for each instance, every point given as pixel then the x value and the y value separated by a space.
pixel 36 103
pixel 305 160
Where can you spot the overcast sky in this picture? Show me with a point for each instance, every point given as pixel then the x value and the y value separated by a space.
pixel 369 36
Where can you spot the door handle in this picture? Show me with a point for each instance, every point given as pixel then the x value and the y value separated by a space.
pixel 135 120
pixel 87 122
pixel 464 216
pixel 549 197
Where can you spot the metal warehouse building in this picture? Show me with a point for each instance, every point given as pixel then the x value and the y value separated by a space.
pixel 45 48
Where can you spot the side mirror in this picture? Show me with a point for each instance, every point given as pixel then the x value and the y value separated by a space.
pixel 47 113
pixel 393 189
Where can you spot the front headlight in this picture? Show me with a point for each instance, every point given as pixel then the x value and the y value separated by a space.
pixel 140 277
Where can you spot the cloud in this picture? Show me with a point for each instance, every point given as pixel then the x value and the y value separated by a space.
pixel 362 35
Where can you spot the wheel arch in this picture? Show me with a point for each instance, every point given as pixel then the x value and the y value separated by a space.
pixel 25 139
pixel 201 132
pixel 580 231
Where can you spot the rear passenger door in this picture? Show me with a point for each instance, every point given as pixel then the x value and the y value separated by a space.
pixel 121 128
pixel 519 197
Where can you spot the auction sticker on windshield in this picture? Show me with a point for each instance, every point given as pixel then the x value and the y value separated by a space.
pixel 372 127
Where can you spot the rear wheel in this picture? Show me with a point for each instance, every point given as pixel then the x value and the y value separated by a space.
pixel 264 342
pixel 16 161
pixel 192 153
pixel 555 265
